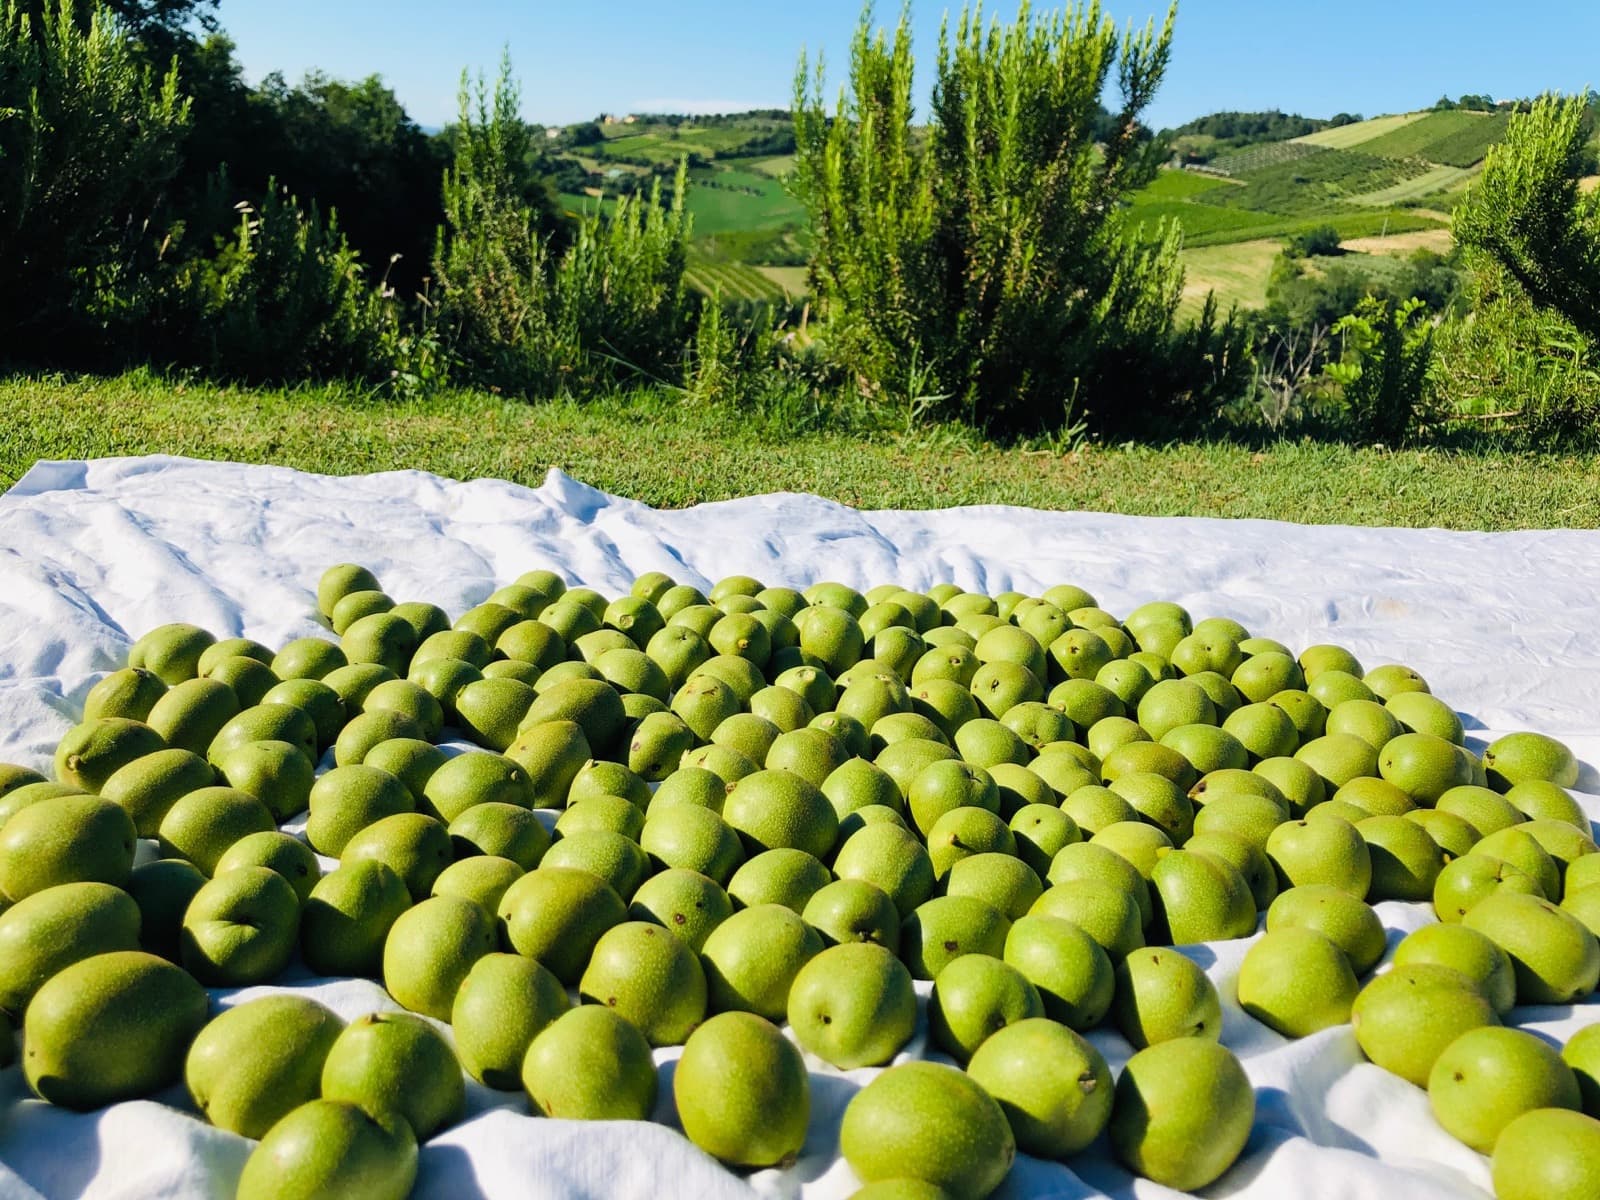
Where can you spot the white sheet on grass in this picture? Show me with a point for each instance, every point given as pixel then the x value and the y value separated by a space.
pixel 1505 626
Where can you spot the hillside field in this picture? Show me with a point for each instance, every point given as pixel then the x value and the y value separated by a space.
pixel 1346 136
pixel 1456 139
pixel 1236 272
pixel 731 280
pixel 1387 186
pixel 1374 181
pixel 725 199
pixel 748 230
pixel 1436 181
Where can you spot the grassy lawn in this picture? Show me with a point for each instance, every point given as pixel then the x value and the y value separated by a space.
pixel 670 454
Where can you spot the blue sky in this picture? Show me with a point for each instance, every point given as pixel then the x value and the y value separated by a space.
pixel 576 60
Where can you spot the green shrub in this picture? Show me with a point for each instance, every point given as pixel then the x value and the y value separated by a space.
pixel 518 318
pixel 622 304
pixel 1384 368
pixel 88 137
pixel 1527 215
pixel 1527 364
pixel 1522 374
pixel 488 262
pixel 283 298
pixel 981 268
pixel 1323 240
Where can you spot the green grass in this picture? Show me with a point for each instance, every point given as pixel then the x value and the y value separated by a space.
pixel 605 166
pixel 1211 214
pixel 795 281
pixel 779 167
pixel 719 139
pixel 659 142
pixel 789 245
pixel 1457 139
pixel 1470 145
pixel 643 146
pixel 1204 223
pixel 1348 137
pixel 689 455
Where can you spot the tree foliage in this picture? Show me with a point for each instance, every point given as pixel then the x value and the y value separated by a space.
pixel 350 148
pixel 1384 369
pixel 488 262
pixel 519 314
pixel 1472 102
pixel 980 268
pixel 89 137
pixel 1528 216
pixel 1323 240
pixel 160 22
pixel 282 296
pixel 355 149
pixel 1248 128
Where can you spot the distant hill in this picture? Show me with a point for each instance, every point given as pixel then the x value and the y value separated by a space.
pixel 1252 179
pixel 749 232
pixel 1386 185
pixel 1206 137
pixel 1455 138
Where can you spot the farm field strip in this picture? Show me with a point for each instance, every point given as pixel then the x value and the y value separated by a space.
pixel 1348 137
pixel 1437 240
pixel 732 281
pixel 778 167
pixel 1457 139
pixel 793 280
pixel 1349 225
pixel 1237 273
pixel 1256 158
pixel 1199 220
pixel 1319 184
pixel 1438 179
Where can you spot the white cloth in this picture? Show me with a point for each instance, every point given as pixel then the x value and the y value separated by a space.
pixel 92 554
